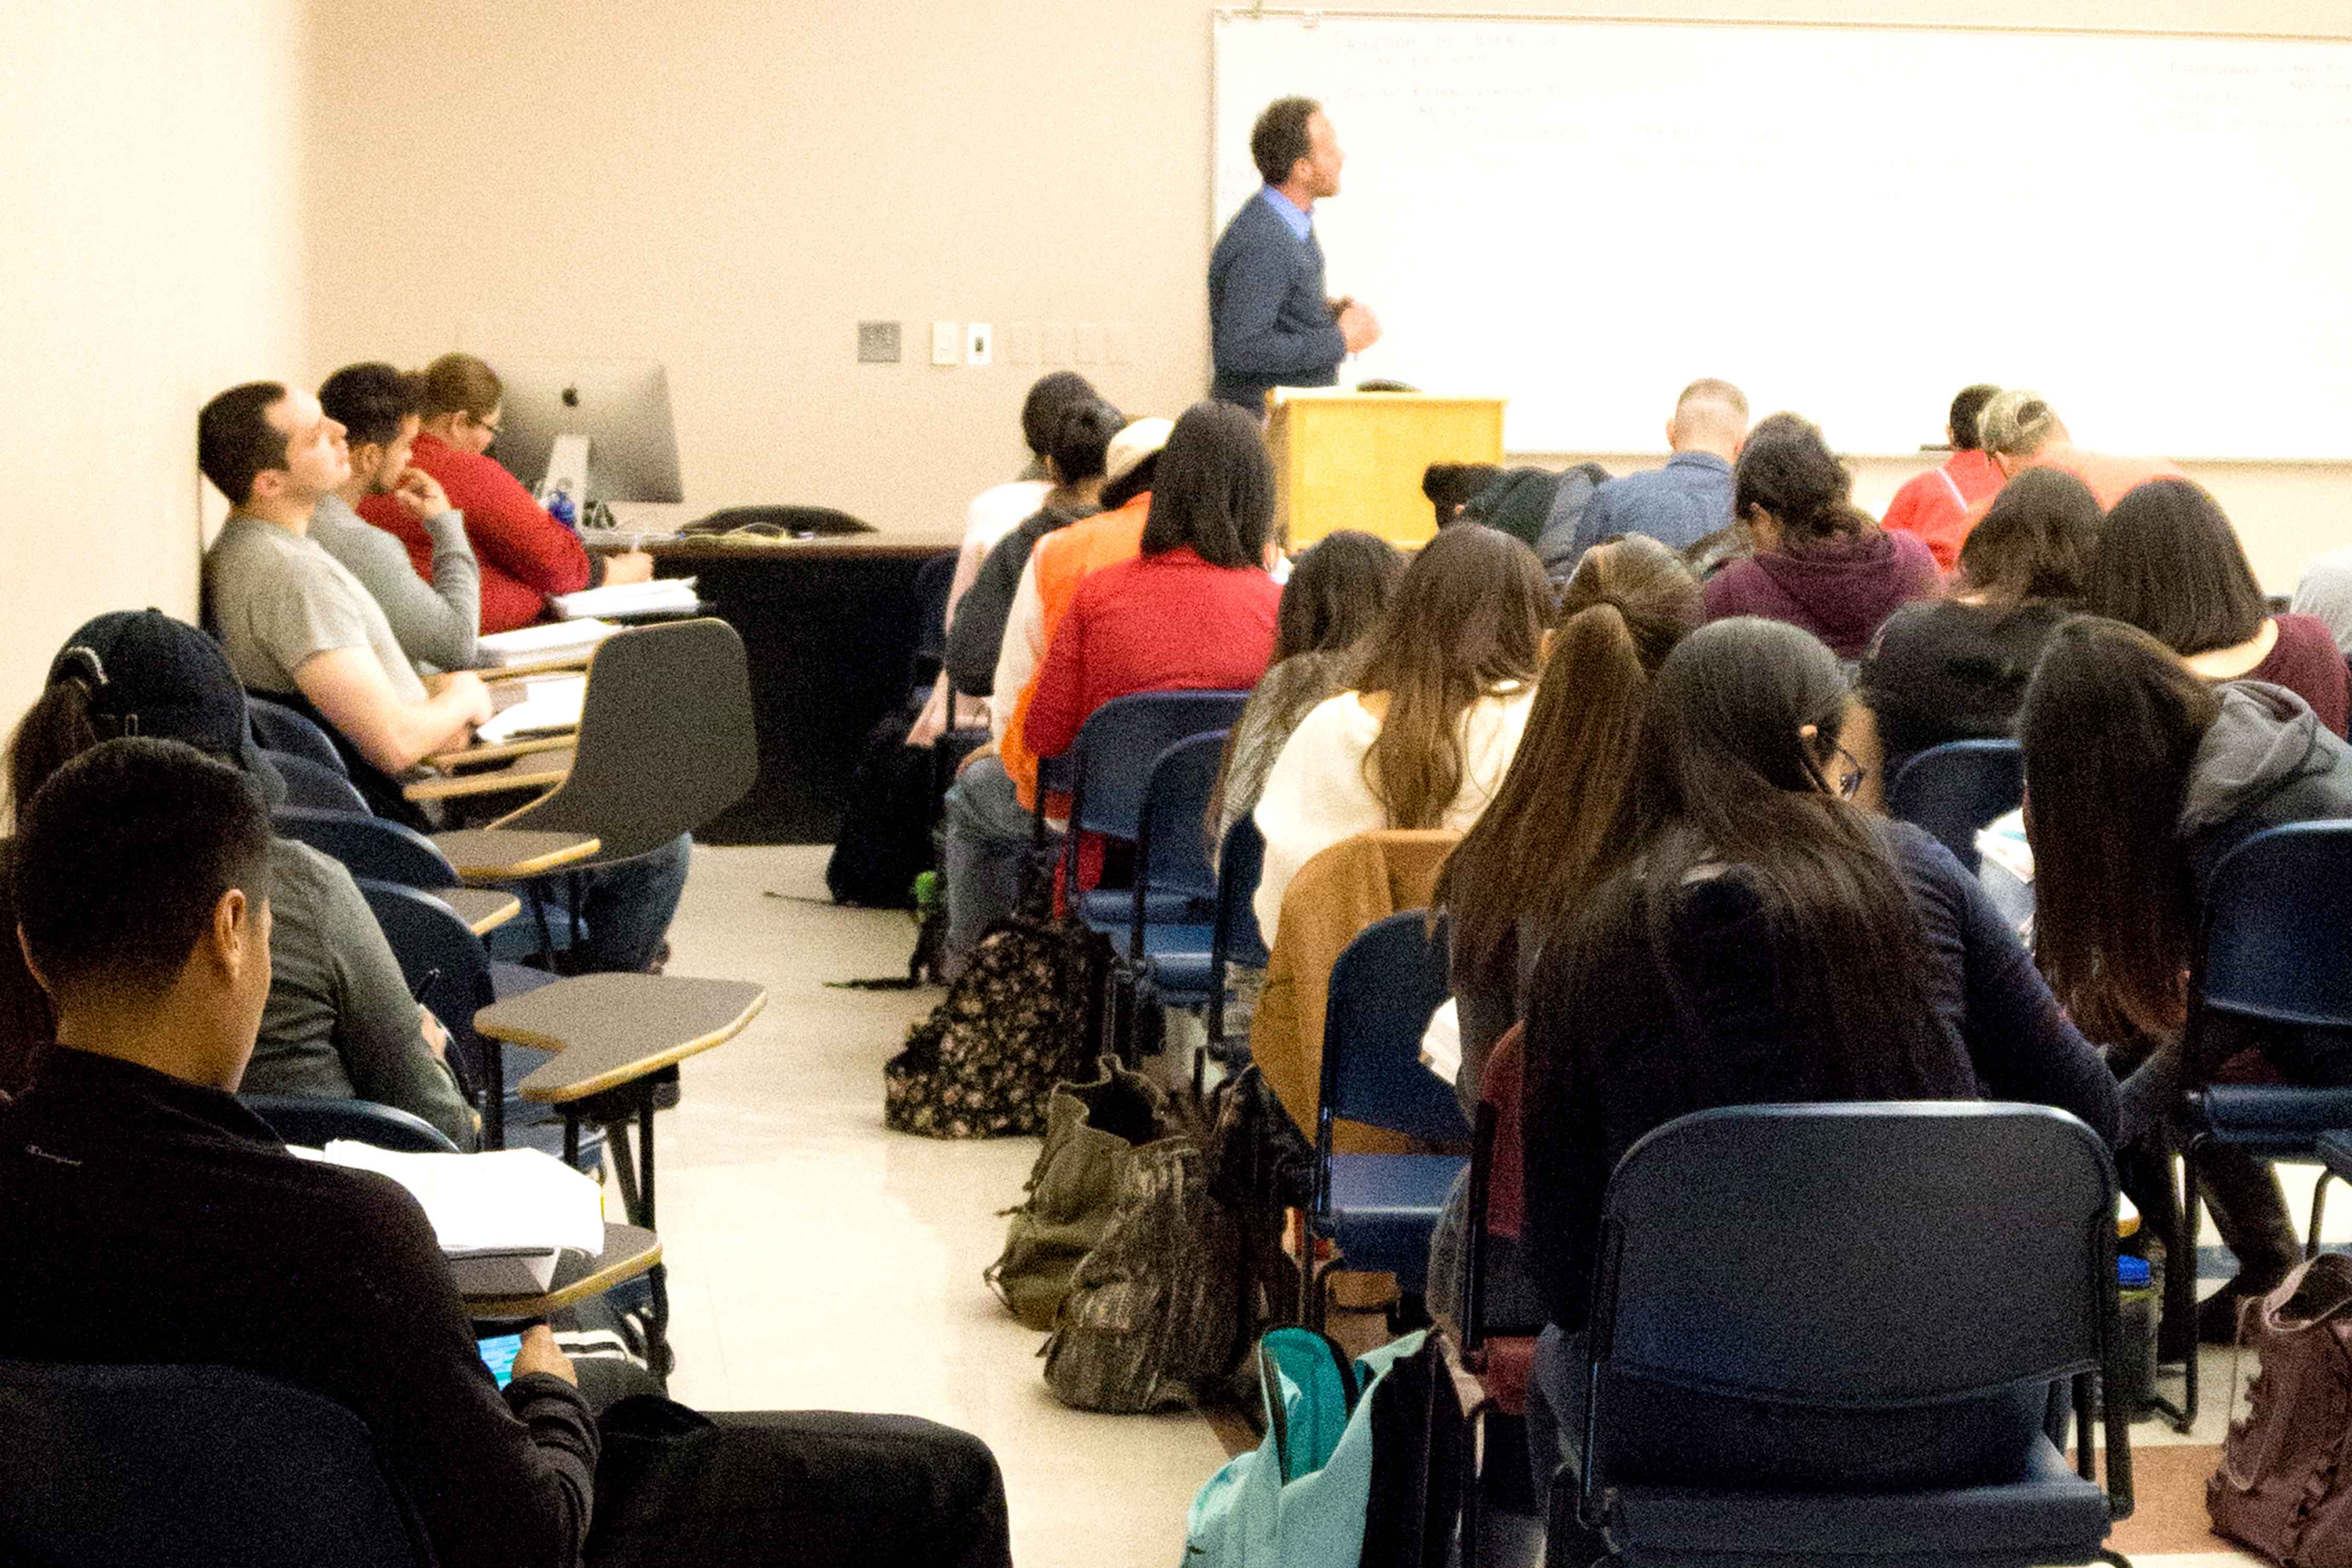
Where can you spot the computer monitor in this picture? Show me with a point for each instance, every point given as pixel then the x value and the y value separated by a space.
pixel 621 407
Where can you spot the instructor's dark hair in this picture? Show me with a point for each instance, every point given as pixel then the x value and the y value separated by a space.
pixel 235 442
pixel 1213 489
pixel 1279 138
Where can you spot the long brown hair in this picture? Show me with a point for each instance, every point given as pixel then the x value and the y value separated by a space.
pixel 2111 723
pixel 2035 543
pixel 2168 562
pixel 1531 852
pixel 1787 468
pixel 1467 618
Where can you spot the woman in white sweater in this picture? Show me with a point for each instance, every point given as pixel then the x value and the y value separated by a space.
pixel 1441 697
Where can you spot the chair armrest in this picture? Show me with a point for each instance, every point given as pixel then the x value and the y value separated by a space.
pixel 610 1031
pixel 2267 1114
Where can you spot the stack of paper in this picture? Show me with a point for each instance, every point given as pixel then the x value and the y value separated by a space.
pixel 663 595
pixel 507 1203
pixel 555 638
pixel 550 705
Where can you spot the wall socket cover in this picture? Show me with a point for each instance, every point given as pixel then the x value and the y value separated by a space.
pixel 979 342
pixel 878 343
pixel 947 343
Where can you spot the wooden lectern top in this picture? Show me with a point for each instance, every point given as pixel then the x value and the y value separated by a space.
pixel 1354 460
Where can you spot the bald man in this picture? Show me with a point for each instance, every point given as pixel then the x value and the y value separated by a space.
pixel 1687 500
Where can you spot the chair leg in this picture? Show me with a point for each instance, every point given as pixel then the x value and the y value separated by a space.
pixel 2185 1266
pixel 1474 1440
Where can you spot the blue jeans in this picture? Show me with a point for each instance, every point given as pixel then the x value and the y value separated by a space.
pixel 627 906
pixel 987 841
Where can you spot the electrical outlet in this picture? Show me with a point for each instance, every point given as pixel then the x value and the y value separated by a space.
pixel 878 343
pixel 979 342
pixel 946 342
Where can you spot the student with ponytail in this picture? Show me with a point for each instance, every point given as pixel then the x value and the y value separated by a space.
pixel 1820 562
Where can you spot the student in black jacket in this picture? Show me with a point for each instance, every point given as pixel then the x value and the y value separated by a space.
pixel 146 1216
pixel 1759 938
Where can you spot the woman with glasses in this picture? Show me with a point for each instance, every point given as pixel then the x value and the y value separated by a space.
pixel 1820 561
pixel 526 556
pixel 1757 937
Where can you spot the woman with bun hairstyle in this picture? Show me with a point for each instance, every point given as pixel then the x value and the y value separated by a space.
pixel 1820 561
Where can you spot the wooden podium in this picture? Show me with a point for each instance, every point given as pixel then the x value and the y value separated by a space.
pixel 1354 460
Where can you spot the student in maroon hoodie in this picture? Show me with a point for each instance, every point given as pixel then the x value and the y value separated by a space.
pixel 1820 562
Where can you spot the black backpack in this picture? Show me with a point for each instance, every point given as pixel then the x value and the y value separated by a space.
pixel 885 839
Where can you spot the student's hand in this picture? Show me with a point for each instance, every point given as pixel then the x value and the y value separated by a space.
pixel 1358 328
pixel 538 1354
pixel 437 1038
pixel 474 699
pixel 420 495
pixel 630 566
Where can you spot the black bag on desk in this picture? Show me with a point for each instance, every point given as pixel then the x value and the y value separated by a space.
pixel 885 839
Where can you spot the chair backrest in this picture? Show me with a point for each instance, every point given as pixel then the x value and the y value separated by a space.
pixel 665 740
pixel 1954 789
pixel 313 786
pixel 2277 920
pixel 313 1121
pixel 933 578
pixel 1171 852
pixel 1866 1256
pixel 1123 738
pixel 177 1466
pixel 278 728
pixel 368 845
pixel 1241 861
pixel 1383 989
pixel 441 958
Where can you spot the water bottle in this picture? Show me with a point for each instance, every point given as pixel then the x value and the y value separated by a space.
pixel 559 507
pixel 2138 1289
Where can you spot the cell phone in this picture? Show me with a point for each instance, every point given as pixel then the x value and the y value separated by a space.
pixel 499 1354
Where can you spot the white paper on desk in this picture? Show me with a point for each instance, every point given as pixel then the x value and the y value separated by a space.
pixel 2003 840
pixel 543 641
pixel 661 593
pixel 1441 1043
pixel 504 1200
pixel 550 705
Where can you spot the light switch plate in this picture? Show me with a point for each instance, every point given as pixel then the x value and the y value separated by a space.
pixel 979 342
pixel 947 343
pixel 878 343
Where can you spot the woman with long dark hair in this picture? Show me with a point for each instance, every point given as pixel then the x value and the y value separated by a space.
pixel 2140 776
pixel 1820 562
pixel 1424 738
pixel 1756 937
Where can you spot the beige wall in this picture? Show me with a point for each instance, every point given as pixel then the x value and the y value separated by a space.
pixel 149 195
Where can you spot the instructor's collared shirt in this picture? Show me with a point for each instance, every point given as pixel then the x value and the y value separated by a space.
pixel 1300 222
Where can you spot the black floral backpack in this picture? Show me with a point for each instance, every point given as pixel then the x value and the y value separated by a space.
pixel 985 1062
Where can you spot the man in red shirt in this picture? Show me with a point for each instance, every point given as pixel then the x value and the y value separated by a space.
pixel 1941 505
pixel 526 556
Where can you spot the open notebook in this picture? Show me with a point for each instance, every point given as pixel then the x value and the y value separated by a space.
pixel 546 640
pixel 549 705
pixel 663 595
pixel 515 1203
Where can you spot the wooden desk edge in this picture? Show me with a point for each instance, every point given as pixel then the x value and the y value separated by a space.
pixel 529 865
pixel 489 1309
pixel 577 658
pixel 637 1067
pixel 505 750
pixel 492 783
pixel 491 918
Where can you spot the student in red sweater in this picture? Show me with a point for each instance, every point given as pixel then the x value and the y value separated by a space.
pixel 525 555
pixel 1195 610
pixel 1941 505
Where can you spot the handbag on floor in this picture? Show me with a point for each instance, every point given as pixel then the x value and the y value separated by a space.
pixel 2284 1488
pixel 1073 1191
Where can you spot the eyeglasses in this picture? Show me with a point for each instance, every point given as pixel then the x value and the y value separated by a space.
pixel 1849 778
pixel 492 425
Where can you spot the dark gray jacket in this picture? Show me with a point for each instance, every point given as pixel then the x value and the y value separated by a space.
pixel 1269 319
pixel 2266 762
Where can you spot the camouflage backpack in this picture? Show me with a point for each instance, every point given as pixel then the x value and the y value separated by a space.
pixel 1013 1025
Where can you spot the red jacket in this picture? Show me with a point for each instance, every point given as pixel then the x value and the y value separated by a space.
pixel 525 555
pixel 1941 505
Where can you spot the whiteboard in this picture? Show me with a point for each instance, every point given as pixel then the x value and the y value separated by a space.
pixel 2155 232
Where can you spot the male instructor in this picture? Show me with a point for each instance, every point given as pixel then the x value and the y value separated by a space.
pixel 1270 323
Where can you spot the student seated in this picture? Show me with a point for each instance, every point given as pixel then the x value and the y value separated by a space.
pixel 2140 776
pixel 1955 668
pixel 1820 562
pixel 145 1215
pixel 526 556
pixel 340 1021
pixel 1679 505
pixel 2018 430
pixel 298 627
pixel 1755 937
pixel 1940 504
pixel 2170 564
pixel 436 621
pixel 1429 729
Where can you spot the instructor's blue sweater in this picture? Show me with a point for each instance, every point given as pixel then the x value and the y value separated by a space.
pixel 1269 321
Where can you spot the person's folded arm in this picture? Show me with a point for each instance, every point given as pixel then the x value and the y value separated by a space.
pixel 349 687
pixel 1249 338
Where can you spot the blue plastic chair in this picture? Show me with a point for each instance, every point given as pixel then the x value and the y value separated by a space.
pixel 312 785
pixel 1954 789
pixel 1112 766
pixel 189 1466
pixel 1378 1210
pixel 369 845
pixel 278 728
pixel 1816 1266
pixel 1241 863
pixel 2274 948
pixel 315 1120
pixel 1166 938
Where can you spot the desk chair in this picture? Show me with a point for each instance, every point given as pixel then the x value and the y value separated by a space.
pixel 1110 768
pixel 312 785
pixel 313 1121
pixel 1502 1364
pixel 2276 930
pixel 373 847
pixel 1235 934
pixel 191 1466
pixel 1954 789
pixel 1378 1210
pixel 933 578
pixel 1823 1265
pixel 1166 937
pixel 278 728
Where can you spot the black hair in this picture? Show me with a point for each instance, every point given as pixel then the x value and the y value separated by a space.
pixel 2170 564
pixel 122 856
pixel 1041 411
pixel 2035 542
pixel 234 440
pixel 370 401
pixel 1279 138
pixel 1081 437
pixel 1963 416
pixel 1788 471
pixel 1449 485
pixel 1338 591
pixel 1217 494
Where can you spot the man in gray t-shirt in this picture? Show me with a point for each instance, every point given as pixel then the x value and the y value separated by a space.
pixel 436 622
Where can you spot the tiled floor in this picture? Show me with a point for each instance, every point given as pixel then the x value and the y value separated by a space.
pixel 818 1261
